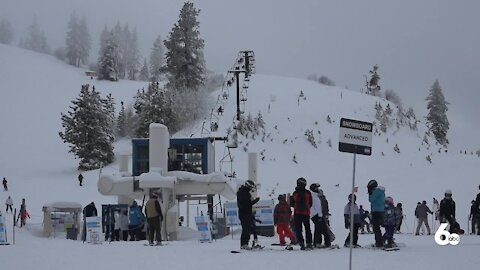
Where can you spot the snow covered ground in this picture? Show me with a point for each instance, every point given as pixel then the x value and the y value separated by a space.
pixel 35 89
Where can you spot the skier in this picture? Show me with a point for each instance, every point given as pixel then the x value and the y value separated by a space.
pixel 23 214
pixel 447 208
pixel 390 222
pixel 422 212
pixel 135 221
pixel 154 215
pixel 88 211
pixel 5 187
pixel 376 197
pixel 356 220
pixel 318 218
pixel 399 214
pixel 473 216
pixel 9 204
pixel 302 202
pixel 80 179
pixel 245 204
pixel 282 215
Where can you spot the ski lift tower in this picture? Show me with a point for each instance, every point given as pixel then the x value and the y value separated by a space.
pixel 248 68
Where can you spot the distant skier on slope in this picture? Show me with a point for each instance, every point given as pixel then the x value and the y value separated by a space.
pixel 5 182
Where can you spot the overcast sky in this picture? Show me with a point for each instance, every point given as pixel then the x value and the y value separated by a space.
pixel 413 42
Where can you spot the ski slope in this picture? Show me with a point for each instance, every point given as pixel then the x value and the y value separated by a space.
pixel 36 88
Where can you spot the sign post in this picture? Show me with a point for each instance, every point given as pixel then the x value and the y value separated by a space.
pixel 356 138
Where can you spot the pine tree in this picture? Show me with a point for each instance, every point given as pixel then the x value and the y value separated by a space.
pixel 122 122
pixel 72 41
pixel 132 56
pixel 156 60
pixel 36 39
pixel 6 32
pixel 185 64
pixel 144 74
pixel 87 130
pixel 85 41
pixel 373 88
pixel 437 120
pixel 107 61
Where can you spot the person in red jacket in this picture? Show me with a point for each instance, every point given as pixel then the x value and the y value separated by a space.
pixel 281 218
pixel 302 202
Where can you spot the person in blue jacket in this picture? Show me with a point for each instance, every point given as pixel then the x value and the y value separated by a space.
pixel 135 220
pixel 376 197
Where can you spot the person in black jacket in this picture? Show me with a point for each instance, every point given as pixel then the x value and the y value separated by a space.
pixel 89 211
pixel 245 204
pixel 447 208
pixel 473 216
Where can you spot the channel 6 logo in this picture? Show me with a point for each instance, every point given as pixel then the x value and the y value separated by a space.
pixel 444 237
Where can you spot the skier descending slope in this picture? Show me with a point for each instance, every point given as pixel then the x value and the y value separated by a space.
pixel 245 203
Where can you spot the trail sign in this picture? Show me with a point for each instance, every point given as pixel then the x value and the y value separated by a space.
pixel 355 137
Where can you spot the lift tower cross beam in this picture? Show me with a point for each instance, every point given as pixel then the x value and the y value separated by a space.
pixel 237 78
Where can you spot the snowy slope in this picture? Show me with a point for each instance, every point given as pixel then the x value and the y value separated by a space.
pixel 36 88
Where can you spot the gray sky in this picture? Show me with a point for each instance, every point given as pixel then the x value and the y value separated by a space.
pixel 413 42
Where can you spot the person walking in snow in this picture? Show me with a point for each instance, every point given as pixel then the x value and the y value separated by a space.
pixel 356 220
pixel 376 197
pixel 422 212
pixel 318 218
pixel 80 179
pixel 302 202
pixel 447 208
pixel 245 204
pixel 88 211
pixel 5 182
pixel 9 204
pixel 154 215
pixel 282 214
pixel 390 222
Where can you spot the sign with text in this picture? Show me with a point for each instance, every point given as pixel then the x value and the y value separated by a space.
pixel 203 226
pixel 94 230
pixel 263 211
pixel 355 137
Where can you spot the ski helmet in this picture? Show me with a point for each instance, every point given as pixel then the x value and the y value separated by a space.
pixel 281 197
pixel 314 187
pixel 448 193
pixel 301 182
pixel 389 200
pixel 372 184
pixel 350 197
pixel 250 184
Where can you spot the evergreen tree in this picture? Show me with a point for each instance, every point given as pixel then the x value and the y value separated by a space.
pixel 156 59
pixel 77 41
pixel 373 88
pixel 437 120
pixel 185 64
pixel 36 40
pixel 87 130
pixel 132 55
pixel 85 41
pixel 154 106
pixel 144 74
pixel 122 122
pixel 6 32
pixel 107 60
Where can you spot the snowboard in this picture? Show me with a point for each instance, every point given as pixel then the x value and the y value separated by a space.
pixel 154 245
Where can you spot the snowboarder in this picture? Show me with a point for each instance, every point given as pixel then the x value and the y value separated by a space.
pixel 376 197
pixel 422 212
pixel 80 179
pixel 356 220
pixel 154 215
pixel 399 214
pixel 302 202
pixel 318 218
pixel 9 204
pixel 282 215
pixel 220 110
pixel 245 204
pixel 364 215
pixel 447 208
pixel 4 182
pixel 390 222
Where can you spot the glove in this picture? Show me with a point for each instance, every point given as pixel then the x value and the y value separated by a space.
pixel 256 200
pixel 315 218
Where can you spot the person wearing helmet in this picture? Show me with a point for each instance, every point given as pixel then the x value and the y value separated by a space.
pixel 318 218
pixel 302 202
pixel 356 220
pixel 281 218
pixel 376 197
pixel 390 222
pixel 399 214
pixel 245 204
pixel 447 208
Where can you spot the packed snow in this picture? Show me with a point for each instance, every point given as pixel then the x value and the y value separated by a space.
pixel 37 88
